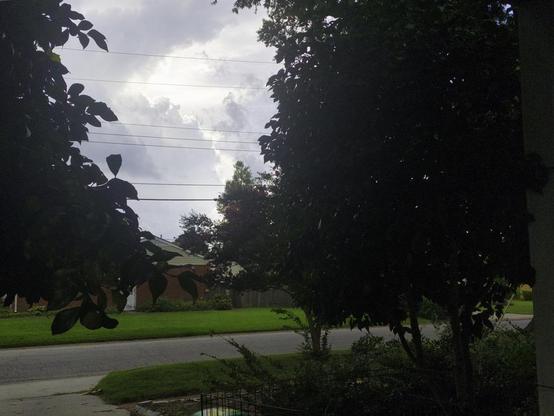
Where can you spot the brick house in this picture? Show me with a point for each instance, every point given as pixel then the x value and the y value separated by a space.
pixel 141 294
pixel 184 261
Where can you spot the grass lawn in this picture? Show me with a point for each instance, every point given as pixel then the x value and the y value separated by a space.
pixel 32 331
pixel 173 379
pixel 520 307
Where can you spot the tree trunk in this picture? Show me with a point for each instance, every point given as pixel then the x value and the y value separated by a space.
pixel 463 369
pixel 314 329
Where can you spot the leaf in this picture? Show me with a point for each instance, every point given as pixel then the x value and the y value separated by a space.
pixel 83 39
pixel 119 299
pixel 75 89
pixel 92 318
pixel 102 110
pixel 83 100
pixel 121 190
pixel 93 121
pixel 65 320
pixel 63 37
pixel 188 283
pixel 99 38
pixel 75 15
pixel 84 25
pixel 157 285
pixel 109 323
pixel 114 163
pixel 54 57
pixel 147 234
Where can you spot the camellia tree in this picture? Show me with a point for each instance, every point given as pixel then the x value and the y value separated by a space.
pixel 398 139
pixel 66 231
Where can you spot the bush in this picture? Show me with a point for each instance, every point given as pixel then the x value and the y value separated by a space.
pixel 221 302
pixel 37 310
pixel 376 378
pixel 218 302
pixel 431 311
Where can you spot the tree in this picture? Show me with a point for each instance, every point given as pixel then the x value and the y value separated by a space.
pixel 243 237
pixel 198 233
pixel 398 139
pixel 66 231
pixel 255 234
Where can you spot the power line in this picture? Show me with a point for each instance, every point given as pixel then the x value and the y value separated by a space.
pixel 173 138
pixel 177 184
pixel 179 199
pixel 154 55
pixel 170 147
pixel 187 128
pixel 164 84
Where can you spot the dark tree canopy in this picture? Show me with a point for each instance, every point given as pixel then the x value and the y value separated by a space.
pixel 399 146
pixel 198 233
pixel 66 231
pixel 244 235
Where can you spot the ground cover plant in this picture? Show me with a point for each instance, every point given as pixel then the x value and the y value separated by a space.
pixel 30 331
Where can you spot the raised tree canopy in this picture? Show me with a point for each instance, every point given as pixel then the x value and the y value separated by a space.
pixel 66 231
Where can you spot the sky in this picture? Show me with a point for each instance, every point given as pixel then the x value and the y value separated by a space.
pixel 190 28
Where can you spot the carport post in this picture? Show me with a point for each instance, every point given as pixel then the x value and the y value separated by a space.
pixel 536 20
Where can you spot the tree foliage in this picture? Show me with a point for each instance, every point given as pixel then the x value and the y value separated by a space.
pixel 398 141
pixel 244 237
pixel 198 233
pixel 66 231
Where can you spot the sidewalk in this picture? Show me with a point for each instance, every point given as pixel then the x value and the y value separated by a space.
pixel 62 397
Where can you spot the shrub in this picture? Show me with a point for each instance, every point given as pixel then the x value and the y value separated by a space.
pixel 377 379
pixel 218 302
pixel 221 302
pixel 37 310
pixel 431 311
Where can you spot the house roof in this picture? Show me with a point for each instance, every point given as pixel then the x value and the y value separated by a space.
pixel 185 257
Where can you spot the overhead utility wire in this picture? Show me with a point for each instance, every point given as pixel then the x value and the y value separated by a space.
pixel 179 199
pixel 177 184
pixel 173 138
pixel 154 55
pixel 171 147
pixel 185 128
pixel 164 84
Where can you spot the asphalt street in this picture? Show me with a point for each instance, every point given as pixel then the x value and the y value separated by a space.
pixel 81 360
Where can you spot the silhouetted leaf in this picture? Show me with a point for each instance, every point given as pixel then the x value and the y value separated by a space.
pixel 65 320
pixel 93 121
pixel 109 323
pixel 121 190
pixel 119 299
pixel 147 234
pixel 83 39
pixel 114 163
pixel 99 38
pixel 102 110
pixel 83 100
pixel 75 89
pixel 92 317
pixel 188 283
pixel 84 25
pixel 157 285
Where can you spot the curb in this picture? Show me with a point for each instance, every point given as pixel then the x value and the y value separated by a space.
pixel 143 411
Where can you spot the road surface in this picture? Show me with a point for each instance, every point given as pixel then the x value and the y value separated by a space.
pixel 80 360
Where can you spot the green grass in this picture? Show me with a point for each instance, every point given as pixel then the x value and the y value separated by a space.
pixel 520 307
pixel 32 331
pixel 172 380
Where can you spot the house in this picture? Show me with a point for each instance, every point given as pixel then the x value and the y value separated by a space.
pixel 141 294
pixel 184 261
